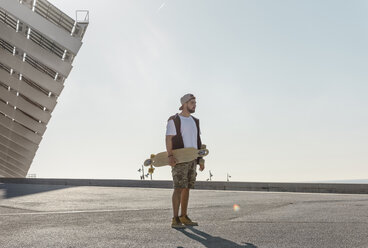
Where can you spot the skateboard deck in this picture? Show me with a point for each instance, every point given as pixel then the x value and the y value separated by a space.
pixel 181 155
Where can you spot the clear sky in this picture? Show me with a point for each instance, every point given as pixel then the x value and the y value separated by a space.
pixel 281 89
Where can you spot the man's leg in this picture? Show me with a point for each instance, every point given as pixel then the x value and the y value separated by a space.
pixel 176 201
pixel 180 181
pixel 192 174
pixel 185 195
pixel 184 201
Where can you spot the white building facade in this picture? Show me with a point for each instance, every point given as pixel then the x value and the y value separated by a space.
pixel 38 43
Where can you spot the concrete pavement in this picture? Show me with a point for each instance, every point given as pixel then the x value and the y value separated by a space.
pixel 88 216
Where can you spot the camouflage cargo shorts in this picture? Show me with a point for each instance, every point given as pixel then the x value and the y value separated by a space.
pixel 184 174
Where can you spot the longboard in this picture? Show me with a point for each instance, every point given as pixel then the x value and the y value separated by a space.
pixel 181 155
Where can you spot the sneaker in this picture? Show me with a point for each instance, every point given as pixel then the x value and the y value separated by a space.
pixel 176 223
pixel 186 221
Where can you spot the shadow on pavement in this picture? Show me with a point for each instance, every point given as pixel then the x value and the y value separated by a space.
pixel 210 241
pixel 16 190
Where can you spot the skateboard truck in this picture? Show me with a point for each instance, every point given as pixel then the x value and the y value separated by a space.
pixel 203 151
pixel 151 169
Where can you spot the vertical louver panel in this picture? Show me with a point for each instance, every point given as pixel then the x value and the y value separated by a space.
pixel 38 43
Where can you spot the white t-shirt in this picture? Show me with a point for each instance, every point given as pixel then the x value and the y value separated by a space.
pixel 188 130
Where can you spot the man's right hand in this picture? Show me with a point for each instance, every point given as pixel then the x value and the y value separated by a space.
pixel 172 161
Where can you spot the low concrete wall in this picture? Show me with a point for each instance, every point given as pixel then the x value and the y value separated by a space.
pixel 212 185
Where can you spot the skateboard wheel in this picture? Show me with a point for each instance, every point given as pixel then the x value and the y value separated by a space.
pixel 147 162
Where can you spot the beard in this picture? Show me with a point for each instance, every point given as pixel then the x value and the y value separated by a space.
pixel 191 110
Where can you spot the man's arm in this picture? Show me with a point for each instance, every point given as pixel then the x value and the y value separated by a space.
pixel 172 160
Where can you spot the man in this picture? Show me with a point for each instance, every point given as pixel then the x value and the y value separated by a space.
pixel 183 131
